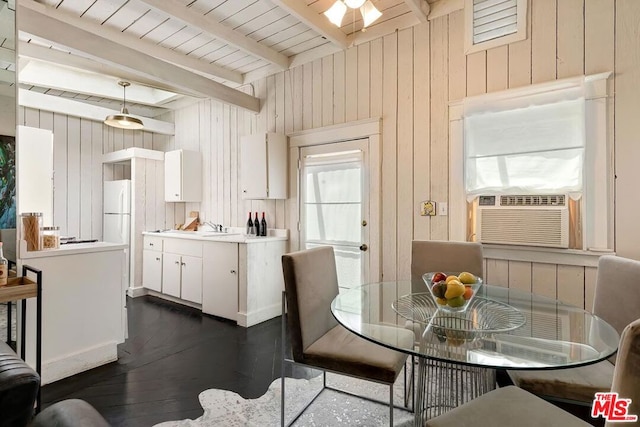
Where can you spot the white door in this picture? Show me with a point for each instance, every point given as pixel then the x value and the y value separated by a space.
pixel 253 166
pixel 116 228
pixel 220 279
pixel 152 270
pixel 334 206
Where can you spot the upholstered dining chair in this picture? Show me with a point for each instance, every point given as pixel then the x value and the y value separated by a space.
pixel 436 255
pixel 317 340
pixel 513 406
pixel 617 301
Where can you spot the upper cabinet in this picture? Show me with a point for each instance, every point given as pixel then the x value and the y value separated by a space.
pixel 182 176
pixel 263 166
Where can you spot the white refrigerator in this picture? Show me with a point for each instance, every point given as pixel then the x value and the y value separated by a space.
pixel 117 211
pixel 116 228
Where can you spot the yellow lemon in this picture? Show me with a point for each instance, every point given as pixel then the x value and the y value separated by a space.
pixel 467 278
pixel 441 301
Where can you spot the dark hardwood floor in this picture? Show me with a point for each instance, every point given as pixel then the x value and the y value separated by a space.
pixel 172 354
pixel 175 352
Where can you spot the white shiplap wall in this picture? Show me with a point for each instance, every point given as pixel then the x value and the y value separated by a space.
pixel 408 78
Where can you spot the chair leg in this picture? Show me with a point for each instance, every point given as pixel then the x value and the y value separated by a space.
pixel 391 405
pixel 282 349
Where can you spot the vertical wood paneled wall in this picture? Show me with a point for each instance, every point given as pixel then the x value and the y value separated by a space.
pixel 408 78
pixel 78 146
pixel 572 284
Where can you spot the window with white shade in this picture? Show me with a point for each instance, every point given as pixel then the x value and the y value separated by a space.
pixel 548 141
pixel 532 149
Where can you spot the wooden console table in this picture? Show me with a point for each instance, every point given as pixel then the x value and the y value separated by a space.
pixel 22 288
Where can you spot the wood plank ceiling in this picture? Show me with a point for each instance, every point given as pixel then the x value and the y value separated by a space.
pixel 195 48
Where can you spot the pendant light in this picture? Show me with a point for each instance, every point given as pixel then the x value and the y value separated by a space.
pixel 124 120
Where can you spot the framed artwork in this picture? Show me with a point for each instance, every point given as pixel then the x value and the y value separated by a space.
pixel 7 182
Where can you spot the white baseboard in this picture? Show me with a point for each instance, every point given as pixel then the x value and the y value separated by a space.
pixel 173 299
pixel 259 316
pixel 74 363
pixel 137 292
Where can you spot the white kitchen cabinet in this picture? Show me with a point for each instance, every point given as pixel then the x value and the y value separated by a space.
pixel 182 176
pixel 152 270
pixel 263 166
pixel 191 279
pixel 220 279
pixel 171 273
pixel 182 269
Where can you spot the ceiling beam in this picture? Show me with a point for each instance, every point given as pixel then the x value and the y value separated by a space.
pixel 387 27
pixel 47 75
pixel 70 107
pixel 54 56
pixel 420 8
pixel 48 23
pixel 444 7
pixel 314 20
pixel 132 42
pixel 209 25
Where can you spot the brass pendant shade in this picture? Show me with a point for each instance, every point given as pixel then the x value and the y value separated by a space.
pixel 124 120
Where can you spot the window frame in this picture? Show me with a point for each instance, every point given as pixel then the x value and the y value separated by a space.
pixel 598 171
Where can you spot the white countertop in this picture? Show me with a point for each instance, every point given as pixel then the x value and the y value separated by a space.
pixel 73 249
pixel 234 236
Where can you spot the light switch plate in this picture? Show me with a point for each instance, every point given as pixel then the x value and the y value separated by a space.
pixel 443 209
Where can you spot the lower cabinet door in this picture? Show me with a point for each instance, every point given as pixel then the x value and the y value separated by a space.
pixel 171 264
pixel 220 280
pixel 191 279
pixel 152 270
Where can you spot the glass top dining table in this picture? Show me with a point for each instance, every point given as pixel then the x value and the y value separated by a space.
pixel 458 352
pixel 501 328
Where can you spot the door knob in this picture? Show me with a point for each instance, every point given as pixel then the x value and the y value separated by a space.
pixel 364 247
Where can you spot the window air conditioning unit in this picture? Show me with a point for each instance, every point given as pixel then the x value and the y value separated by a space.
pixel 531 220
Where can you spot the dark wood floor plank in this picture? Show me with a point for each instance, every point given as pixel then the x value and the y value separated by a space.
pixel 173 353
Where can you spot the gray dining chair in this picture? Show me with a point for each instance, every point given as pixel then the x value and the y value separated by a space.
pixel 617 301
pixel 318 341
pixel 513 406
pixel 436 255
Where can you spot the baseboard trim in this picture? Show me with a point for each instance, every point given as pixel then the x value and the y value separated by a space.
pixel 259 316
pixel 137 292
pixel 173 299
pixel 74 363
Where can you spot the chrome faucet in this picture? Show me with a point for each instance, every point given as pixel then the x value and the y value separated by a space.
pixel 216 227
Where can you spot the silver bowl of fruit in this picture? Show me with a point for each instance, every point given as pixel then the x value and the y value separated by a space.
pixel 452 291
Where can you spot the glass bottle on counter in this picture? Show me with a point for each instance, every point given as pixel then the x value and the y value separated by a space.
pixel 263 226
pixel 250 228
pixel 4 268
pixel 256 223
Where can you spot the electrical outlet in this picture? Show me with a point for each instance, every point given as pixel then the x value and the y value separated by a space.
pixel 443 209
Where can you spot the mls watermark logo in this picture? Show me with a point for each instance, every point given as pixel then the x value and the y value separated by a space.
pixel 612 408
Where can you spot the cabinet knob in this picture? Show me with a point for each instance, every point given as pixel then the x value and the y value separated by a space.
pixel 177 262
pixel 150 244
pixel 157 259
pixel 233 272
pixel 183 263
pixel 244 191
pixel 177 195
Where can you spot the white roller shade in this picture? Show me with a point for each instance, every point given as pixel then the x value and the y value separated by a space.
pixel 525 145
